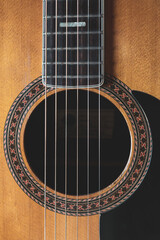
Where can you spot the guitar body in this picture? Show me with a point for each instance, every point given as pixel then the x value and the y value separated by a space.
pixel 132 49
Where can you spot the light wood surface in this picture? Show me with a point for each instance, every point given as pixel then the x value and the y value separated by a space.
pixel 133 45
pixel 132 55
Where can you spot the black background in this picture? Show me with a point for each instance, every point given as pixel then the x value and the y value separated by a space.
pixel 138 217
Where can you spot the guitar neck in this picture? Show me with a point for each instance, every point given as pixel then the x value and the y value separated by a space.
pixel 73 43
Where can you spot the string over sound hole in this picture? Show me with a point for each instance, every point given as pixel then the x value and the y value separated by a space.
pixel 114 140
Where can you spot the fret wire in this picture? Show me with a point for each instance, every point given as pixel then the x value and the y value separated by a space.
pixel 75 76
pixel 74 48
pixel 73 63
pixel 86 32
pixel 74 16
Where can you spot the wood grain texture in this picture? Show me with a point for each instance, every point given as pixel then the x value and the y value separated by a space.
pixel 133 45
pixel 132 55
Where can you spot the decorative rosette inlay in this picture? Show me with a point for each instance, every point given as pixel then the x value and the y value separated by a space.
pixel 118 192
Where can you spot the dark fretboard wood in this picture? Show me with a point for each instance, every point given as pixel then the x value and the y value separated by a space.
pixel 88 70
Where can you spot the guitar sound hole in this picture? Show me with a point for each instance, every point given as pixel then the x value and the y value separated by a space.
pixel 114 142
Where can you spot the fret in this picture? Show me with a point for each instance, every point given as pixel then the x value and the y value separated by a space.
pixel 72 40
pixel 72 7
pixel 72 81
pixel 72 69
pixel 74 48
pixel 72 55
pixel 71 63
pixel 92 21
pixel 75 16
pixel 75 76
pixel 79 33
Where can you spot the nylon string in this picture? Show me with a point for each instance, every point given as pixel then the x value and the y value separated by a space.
pixel 77 107
pixel 66 106
pixel 99 116
pixel 55 157
pixel 45 113
pixel 88 130
pixel 66 109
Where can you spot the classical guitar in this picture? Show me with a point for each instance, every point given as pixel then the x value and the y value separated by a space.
pixel 76 142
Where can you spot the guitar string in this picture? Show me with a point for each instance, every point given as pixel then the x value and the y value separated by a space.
pixel 77 107
pixel 45 113
pixel 66 109
pixel 88 119
pixel 55 156
pixel 65 123
pixel 99 115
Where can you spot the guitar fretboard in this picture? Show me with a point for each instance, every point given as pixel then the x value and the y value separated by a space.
pixel 73 43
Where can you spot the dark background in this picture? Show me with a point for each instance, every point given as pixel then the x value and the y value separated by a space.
pixel 138 217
